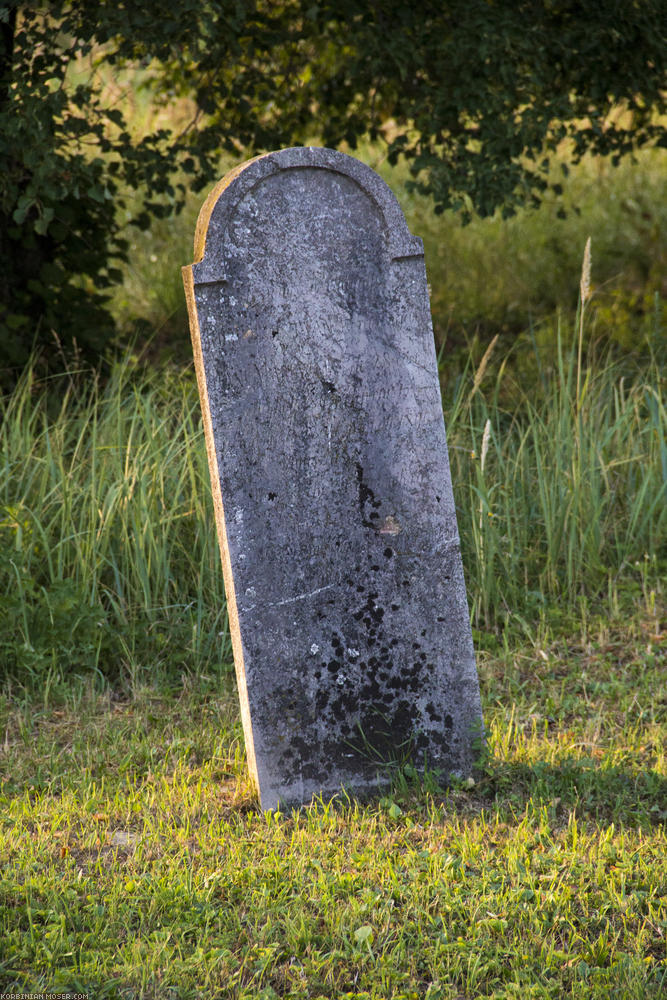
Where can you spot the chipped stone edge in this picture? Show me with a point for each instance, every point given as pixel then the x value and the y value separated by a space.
pixel 232 610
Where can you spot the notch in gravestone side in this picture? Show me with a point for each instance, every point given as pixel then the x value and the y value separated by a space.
pixel 316 366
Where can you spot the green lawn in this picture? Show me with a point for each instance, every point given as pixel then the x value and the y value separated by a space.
pixel 136 862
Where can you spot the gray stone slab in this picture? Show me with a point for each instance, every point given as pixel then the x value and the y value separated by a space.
pixel 314 352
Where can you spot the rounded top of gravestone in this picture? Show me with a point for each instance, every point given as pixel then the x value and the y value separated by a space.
pixel 219 207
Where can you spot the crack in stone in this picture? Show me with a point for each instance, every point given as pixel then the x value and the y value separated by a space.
pixel 300 597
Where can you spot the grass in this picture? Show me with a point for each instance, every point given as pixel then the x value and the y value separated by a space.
pixel 108 561
pixel 108 557
pixel 136 863
pixel 565 486
pixel 134 860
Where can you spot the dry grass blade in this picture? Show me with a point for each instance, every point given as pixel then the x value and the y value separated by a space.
pixel 585 294
pixel 479 374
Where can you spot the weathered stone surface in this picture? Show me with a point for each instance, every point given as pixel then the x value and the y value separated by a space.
pixel 314 351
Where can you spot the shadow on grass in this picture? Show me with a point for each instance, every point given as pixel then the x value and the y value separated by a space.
pixel 603 793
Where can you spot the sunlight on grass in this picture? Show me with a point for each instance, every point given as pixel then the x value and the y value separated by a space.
pixel 136 862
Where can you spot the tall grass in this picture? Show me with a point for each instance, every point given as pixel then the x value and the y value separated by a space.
pixel 108 546
pixel 562 498
pixel 108 555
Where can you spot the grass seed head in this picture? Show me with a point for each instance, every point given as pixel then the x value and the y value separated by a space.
pixel 479 374
pixel 485 442
pixel 585 283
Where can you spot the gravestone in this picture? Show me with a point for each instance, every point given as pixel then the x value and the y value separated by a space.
pixel 317 373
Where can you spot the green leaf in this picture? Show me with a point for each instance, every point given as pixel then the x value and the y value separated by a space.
pixel 364 935
pixel 42 223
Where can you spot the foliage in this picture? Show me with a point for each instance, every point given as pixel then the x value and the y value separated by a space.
pixel 473 94
pixel 67 160
pixel 513 277
pixel 517 277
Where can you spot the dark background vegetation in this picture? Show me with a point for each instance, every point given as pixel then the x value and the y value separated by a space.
pixel 474 98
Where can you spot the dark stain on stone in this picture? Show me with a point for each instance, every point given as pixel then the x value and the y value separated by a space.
pixel 369 685
pixel 366 496
pixel 386 733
